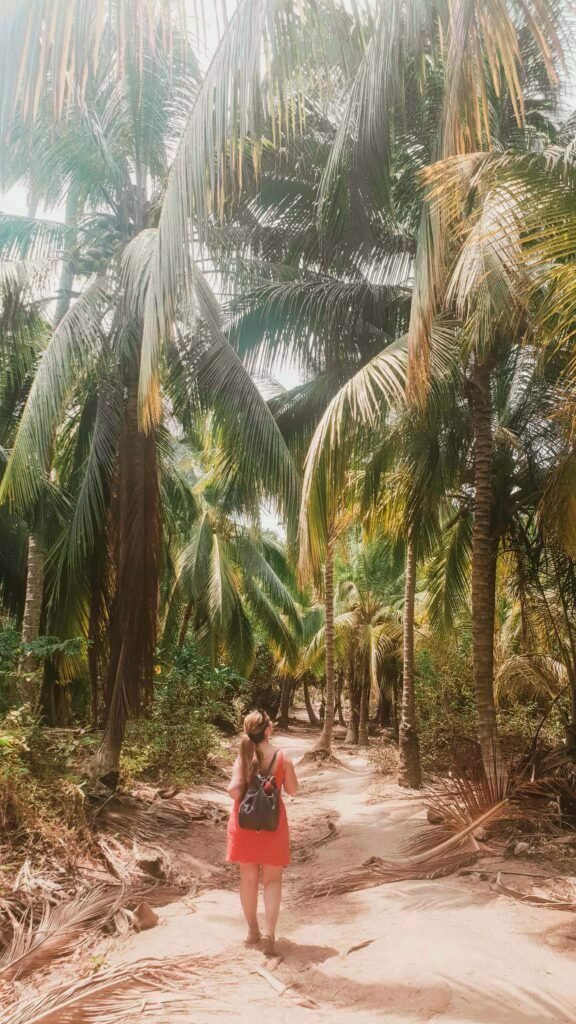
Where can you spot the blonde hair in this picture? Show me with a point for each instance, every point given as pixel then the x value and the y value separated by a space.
pixel 255 725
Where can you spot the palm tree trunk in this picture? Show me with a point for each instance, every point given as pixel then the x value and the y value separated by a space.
pixel 339 709
pixel 363 740
pixel 484 551
pixel 312 716
pixel 409 772
pixel 352 732
pixel 285 702
pixel 384 711
pixel 325 741
pixel 185 623
pixel 33 602
pixel 134 613
pixel 107 760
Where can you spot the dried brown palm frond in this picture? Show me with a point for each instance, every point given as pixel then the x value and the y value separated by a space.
pixel 148 822
pixel 376 871
pixel 463 803
pixel 119 995
pixel 36 943
pixel 555 893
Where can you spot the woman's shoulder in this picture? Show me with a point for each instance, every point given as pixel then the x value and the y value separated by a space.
pixel 279 752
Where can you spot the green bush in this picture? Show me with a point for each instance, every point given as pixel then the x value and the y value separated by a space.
pixel 263 689
pixel 40 793
pixel 193 703
pixel 445 702
pixel 446 706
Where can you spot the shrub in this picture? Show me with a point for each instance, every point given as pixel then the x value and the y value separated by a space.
pixel 446 706
pixel 41 801
pixel 192 702
pixel 263 689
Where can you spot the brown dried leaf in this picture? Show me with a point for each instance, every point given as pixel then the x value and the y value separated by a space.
pixel 119 995
pixel 36 945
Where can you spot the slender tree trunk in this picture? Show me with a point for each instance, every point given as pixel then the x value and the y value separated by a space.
pixel 107 760
pixel 409 772
pixel 312 716
pixel 285 702
pixel 33 602
pixel 353 722
pixel 384 711
pixel 484 551
pixel 185 623
pixel 325 741
pixel 339 709
pixel 394 711
pixel 363 740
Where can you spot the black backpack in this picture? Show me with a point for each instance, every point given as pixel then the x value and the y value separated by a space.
pixel 260 808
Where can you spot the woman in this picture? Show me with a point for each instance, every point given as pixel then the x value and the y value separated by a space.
pixel 251 849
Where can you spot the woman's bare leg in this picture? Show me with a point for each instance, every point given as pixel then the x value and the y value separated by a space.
pixel 249 899
pixel 272 878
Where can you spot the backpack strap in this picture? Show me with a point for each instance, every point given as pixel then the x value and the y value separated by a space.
pixel 271 765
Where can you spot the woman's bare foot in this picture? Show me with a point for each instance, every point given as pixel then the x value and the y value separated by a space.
pixel 268 945
pixel 253 938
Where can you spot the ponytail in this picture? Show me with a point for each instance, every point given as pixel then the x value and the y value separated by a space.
pixel 249 759
pixel 255 725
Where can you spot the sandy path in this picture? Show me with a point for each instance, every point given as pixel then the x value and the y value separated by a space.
pixel 449 951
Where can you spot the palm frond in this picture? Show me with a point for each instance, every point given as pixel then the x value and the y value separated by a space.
pixel 530 675
pixel 49 49
pixel 114 996
pixel 70 553
pixel 35 945
pixel 76 340
pixel 224 128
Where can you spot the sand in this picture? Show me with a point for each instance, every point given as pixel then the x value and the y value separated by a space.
pixel 449 951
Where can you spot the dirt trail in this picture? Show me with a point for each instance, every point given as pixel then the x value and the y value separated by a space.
pixel 448 950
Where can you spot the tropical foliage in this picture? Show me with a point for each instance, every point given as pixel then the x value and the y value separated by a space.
pixel 380 196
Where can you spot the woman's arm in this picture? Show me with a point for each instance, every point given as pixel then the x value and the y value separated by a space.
pixel 236 787
pixel 290 781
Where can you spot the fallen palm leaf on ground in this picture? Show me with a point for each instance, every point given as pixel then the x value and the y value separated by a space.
pixel 558 894
pixel 463 804
pixel 53 931
pixel 36 944
pixel 156 991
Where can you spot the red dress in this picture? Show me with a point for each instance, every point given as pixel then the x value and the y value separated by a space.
pixel 248 847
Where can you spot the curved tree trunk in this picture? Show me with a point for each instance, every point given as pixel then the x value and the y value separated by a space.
pixel 312 716
pixel 363 740
pixel 484 550
pixel 325 740
pixel 409 772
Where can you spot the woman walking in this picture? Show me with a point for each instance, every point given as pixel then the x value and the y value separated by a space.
pixel 254 849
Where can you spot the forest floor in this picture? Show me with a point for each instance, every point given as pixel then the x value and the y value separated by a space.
pixel 450 950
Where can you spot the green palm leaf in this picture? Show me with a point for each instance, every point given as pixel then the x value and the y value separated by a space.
pixel 76 341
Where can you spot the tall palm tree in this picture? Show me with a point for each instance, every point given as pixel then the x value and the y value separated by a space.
pixel 116 151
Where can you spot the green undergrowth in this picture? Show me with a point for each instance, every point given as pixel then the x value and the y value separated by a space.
pixel 447 711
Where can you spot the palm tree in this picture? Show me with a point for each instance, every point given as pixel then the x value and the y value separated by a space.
pixel 88 376
pixel 229 577
pixel 367 628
